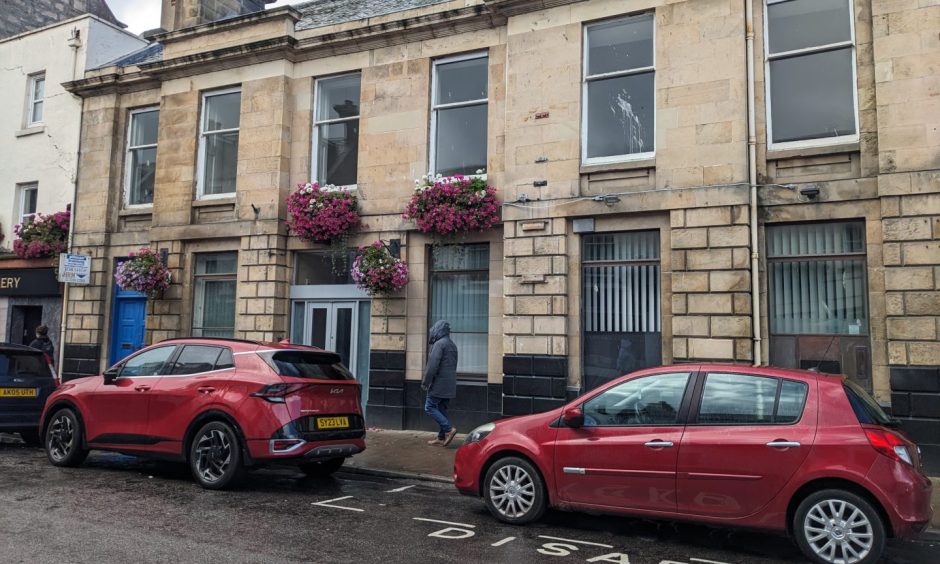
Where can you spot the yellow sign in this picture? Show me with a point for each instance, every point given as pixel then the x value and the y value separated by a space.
pixel 18 392
pixel 10 282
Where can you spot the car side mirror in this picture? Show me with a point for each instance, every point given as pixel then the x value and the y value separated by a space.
pixel 111 374
pixel 573 417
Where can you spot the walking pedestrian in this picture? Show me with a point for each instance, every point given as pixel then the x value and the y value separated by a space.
pixel 440 381
pixel 43 342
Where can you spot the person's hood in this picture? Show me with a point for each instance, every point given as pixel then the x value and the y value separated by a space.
pixel 438 331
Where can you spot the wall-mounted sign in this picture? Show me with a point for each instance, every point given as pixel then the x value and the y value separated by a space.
pixel 75 269
pixel 28 282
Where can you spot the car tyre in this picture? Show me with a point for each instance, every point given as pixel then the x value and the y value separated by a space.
pixel 322 468
pixel 514 492
pixel 834 525
pixel 63 439
pixel 31 437
pixel 215 456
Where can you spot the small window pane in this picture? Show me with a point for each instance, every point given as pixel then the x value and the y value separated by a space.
pixel 37 112
pixel 338 97
pixel 195 359
pixel 39 89
pixel 143 165
pixel 792 398
pixel 737 399
pixel 816 239
pixel 620 45
pixel 799 24
pixel 647 401
pixel 144 128
pixel 221 163
pixel 222 111
pixel 462 81
pixel 29 200
pixel 226 360
pixel 215 308
pixel 338 153
pixel 813 96
pixel 461 140
pixel 460 257
pixel 630 246
pixel 321 268
pixel 620 116
pixel 148 363
pixel 217 263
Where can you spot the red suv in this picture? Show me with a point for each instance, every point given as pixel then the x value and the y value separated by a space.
pixel 785 450
pixel 221 405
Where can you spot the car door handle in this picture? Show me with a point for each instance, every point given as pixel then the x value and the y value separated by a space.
pixel 782 444
pixel 205 389
pixel 142 388
pixel 659 444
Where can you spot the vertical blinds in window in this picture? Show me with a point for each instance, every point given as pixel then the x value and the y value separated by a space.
pixel 621 283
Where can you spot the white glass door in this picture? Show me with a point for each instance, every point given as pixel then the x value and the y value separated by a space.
pixel 332 326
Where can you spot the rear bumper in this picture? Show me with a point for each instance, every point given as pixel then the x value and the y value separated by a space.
pixel 260 450
pixel 905 493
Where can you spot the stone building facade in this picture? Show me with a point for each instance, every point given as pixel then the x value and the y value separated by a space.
pixel 617 133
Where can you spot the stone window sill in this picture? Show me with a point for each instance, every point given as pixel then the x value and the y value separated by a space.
pixel 136 212
pixel 813 151
pixel 30 131
pixel 209 202
pixel 618 167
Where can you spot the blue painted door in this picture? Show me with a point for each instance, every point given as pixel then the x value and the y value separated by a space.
pixel 127 327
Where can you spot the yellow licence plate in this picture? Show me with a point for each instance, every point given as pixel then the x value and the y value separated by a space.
pixel 332 422
pixel 18 392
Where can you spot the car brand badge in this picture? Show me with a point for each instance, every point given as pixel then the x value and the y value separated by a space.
pixel 336 391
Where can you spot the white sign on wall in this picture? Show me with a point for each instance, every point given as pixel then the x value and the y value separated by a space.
pixel 75 269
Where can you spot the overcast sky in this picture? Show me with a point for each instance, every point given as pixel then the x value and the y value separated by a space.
pixel 141 15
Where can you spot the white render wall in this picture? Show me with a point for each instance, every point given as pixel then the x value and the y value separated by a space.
pixel 48 153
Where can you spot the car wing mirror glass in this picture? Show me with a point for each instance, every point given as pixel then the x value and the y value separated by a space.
pixel 573 417
pixel 111 374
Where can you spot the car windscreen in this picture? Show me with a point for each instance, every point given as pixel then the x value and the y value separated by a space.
pixel 865 407
pixel 23 364
pixel 307 364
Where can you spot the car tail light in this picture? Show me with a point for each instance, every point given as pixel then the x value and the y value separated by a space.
pixel 55 377
pixel 889 444
pixel 275 393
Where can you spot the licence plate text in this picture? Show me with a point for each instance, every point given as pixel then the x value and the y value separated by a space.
pixel 18 392
pixel 332 422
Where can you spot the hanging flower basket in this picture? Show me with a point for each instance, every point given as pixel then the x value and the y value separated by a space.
pixel 143 272
pixel 377 272
pixel 44 236
pixel 322 214
pixel 453 205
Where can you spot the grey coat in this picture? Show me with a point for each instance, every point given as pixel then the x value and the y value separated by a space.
pixel 440 375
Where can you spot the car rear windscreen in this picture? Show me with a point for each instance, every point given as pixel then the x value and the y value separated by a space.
pixel 865 407
pixel 307 364
pixel 23 364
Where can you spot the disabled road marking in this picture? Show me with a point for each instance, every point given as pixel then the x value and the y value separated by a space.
pixel 396 490
pixel 328 503
pixel 586 543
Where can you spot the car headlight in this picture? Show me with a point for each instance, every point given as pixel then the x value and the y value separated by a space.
pixel 479 433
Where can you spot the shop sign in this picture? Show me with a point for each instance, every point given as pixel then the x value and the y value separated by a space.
pixel 28 282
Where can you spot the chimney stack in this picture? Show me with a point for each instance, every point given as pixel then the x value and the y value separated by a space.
pixel 179 14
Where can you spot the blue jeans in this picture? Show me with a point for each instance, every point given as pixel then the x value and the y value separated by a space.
pixel 437 409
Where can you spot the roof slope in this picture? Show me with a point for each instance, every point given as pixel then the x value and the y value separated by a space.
pixel 20 16
pixel 149 54
pixel 319 13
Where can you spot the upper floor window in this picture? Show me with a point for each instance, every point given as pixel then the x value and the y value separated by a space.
pixel 141 161
pixel 811 86
pixel 336 130
pixel 27 195
pixel 35 99
pixel 459 101
pixel 218 142
pixel 619 90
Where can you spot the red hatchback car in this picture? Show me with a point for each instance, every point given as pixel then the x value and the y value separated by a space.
pixel 793 451
pixel 221 405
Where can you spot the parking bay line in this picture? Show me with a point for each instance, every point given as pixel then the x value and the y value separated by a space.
pixel 693 559
pixel 451 523
pixel 504 541
pixel 329 501
pixel 401 489
pixel 586 543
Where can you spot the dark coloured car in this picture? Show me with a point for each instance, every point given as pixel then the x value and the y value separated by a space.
pixel 796 452
pixel 221 405
pixel 27 378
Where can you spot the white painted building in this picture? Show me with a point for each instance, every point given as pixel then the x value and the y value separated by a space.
pixel 39 143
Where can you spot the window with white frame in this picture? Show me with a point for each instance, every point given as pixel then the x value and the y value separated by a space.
pixel 619 90
pixel 218 142
pixel 27 195
pixel 459 101
pixel 811 77
pixel 141 160
pixel 336 130
pixel 35 99
pixel 214 303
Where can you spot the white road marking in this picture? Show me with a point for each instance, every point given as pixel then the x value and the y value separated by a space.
pixel 575 541
pixel 396 490
pixel 504 541
pixel 693 559
pixel 444 522
pixel 329 501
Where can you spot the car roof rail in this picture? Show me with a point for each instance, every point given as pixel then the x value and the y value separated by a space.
pixel 223 339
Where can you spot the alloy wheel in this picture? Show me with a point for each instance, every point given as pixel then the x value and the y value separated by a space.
pixel 213 455
pixel 512 491
pixel 61 437
pixel 838 532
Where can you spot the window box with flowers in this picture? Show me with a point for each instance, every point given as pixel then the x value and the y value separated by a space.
pixel 449 206
pixel 377 272
pixel 145 272
pixel 44 236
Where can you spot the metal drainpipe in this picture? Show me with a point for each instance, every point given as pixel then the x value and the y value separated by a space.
pixel 752 179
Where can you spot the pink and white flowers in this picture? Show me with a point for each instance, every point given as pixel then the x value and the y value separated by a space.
pixel 377 272
pixel 143 272
pixel 451 205
pixel 322 214
pixel 44 236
